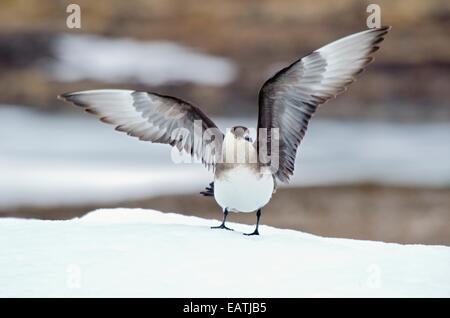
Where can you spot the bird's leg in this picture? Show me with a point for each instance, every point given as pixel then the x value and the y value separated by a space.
pixel 222 226
pixel 255 232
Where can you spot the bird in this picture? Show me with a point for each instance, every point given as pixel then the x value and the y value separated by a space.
pixel 246 172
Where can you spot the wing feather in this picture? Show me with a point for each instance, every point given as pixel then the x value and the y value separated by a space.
pixel 290 98
pixel 150 117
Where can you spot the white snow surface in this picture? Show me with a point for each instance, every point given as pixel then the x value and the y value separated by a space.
pixel 146 253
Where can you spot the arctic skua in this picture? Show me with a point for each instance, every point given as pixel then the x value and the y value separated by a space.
pixel 245 171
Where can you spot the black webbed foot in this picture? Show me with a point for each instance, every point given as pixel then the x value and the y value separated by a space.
pixel 222 226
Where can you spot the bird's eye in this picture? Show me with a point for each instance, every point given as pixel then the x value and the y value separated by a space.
pixel 248 138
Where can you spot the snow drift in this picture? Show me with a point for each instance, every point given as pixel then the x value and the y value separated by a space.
pixel 133 252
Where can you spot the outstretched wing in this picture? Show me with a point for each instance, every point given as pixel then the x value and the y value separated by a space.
pixel 152 117
pixel 289 99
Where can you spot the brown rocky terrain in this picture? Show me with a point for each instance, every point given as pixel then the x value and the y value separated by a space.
pixel 409 80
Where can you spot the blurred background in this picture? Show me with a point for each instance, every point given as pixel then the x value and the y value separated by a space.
pixel 374 164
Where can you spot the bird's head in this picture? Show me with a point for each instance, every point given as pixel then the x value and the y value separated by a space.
pixel 238 147
pixel 239 133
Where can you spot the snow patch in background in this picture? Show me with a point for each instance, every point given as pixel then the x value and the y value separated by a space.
pixel 146 253
pixel 80 57
pixel 50 159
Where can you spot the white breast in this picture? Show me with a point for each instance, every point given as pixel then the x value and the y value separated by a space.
pixel 241 190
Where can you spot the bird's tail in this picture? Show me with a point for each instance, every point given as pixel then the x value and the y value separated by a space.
pixel 209 191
